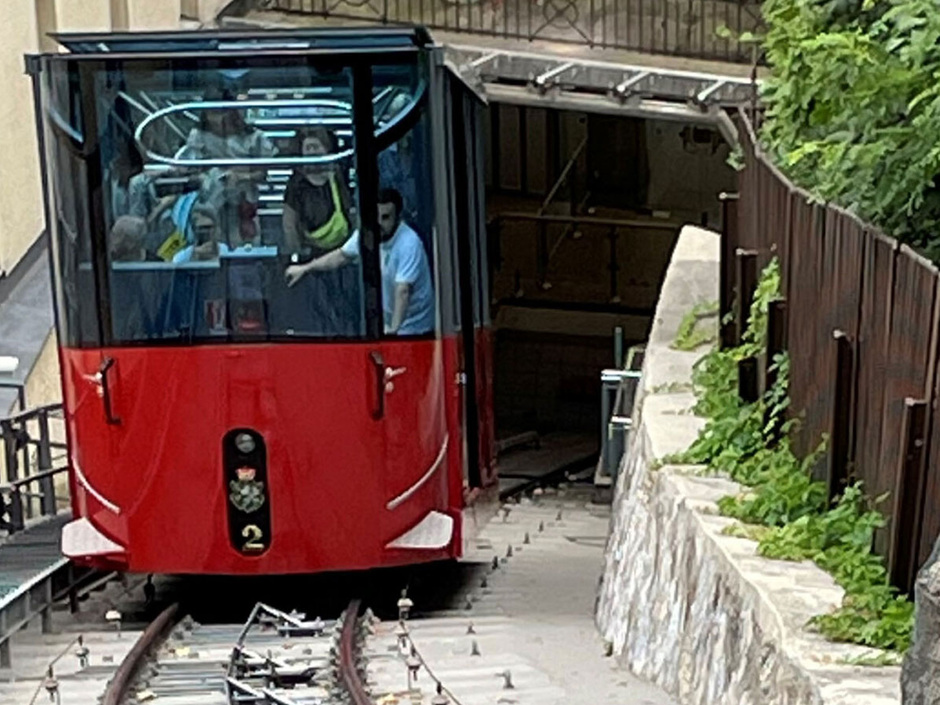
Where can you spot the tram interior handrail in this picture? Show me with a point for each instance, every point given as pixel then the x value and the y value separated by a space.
pixel 387 132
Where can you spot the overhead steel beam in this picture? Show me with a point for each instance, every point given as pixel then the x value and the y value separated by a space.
pixel 602 104
pixel 623 89
pixel 542 81
pixel 567 83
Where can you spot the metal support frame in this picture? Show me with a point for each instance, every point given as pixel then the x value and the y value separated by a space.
pixel 26 483
pixel 544 81
pixel 748 389
pixel 904 525
pixel 603 87
pixel 619 392
pixel 20 388
pixel 745 284
pixel 840 422
pixel 245 664
pixel 623 89
pixel 726 274
pixel 35 599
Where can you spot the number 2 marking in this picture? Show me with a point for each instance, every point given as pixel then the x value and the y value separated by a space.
pixel 253 534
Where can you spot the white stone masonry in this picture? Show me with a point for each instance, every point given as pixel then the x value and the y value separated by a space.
pixel 691 609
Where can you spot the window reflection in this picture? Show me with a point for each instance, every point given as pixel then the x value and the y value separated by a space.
pixel 216 183
pixel 317 206
pixel 406 208
pixel 200 234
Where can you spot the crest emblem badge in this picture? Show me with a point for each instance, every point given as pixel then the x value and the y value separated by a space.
pixel 246 493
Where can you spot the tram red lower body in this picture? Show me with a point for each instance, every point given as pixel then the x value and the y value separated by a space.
pixel 358 476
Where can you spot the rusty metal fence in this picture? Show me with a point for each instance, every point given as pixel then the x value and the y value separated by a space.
pixel 860 322
pixel 701 29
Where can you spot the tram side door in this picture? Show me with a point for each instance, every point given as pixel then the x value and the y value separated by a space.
pixel 414 426
pixel 411 376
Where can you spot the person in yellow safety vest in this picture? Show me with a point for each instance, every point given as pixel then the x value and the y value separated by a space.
pixel 317 205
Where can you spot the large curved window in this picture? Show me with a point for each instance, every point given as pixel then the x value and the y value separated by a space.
pixel 218 185
pixel 224 203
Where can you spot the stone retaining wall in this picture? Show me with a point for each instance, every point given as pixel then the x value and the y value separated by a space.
pixel 693 610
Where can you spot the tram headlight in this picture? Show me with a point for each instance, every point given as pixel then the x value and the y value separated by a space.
pixel 244 442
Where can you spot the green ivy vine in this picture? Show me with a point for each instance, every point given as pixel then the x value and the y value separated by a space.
pixel 852 102
pixel 691 335
pixel 781 506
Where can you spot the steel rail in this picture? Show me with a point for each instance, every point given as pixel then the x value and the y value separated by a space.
pixel 349 655
pixel 117 689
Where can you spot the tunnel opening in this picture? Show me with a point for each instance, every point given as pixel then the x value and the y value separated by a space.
pixel 583 212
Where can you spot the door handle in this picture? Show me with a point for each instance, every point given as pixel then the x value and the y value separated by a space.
pixel 380 371
pixel 102 378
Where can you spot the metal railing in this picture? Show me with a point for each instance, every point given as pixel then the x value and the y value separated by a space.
pixel 553 231
pixel 702 29
pixel 30 465
pixel 36 597
pixel 618 394
pixel 19 388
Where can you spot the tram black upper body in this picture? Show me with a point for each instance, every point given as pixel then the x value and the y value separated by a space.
pixel 348 39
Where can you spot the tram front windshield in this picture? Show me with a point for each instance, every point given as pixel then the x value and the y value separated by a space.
pixel 188 203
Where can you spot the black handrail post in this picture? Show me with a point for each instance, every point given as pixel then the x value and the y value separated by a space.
pixel 47 483
pixel 746 284
pixel 72 592
pixel 16 510
pixel 748 390
pixel 840 450
pixel 614 266
pixel 541 254
pixel 26 469
pixel 729 239
pixel 776 345
pixel 9 450
pixel 902 561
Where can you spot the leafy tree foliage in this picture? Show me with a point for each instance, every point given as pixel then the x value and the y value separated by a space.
pixel 853 108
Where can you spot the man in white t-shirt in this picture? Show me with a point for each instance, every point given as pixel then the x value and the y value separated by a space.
pixel 407 292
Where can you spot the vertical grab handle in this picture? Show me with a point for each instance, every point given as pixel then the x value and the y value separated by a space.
pixel 379 364
pixel 109 416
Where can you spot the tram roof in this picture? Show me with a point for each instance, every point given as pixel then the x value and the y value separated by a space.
pixel 360 39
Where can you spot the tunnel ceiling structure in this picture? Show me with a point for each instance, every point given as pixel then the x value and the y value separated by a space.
pixel 569 83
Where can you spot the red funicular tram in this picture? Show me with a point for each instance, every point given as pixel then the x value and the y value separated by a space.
pixel 269 269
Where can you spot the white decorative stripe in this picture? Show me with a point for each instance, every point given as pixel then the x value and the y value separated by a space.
pixel 83 481
pixel 424 478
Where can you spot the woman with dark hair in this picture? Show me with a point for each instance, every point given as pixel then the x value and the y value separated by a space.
pixel 317 204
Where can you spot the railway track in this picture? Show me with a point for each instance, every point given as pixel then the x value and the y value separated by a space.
pixel 274 658
pixel 466 640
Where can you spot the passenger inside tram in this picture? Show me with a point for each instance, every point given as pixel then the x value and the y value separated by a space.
pixel 126 165
pixel 219 238
pixel 129 240
pixel 225 134
pixel 407 292
pixel 207 243
pixel 318 209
